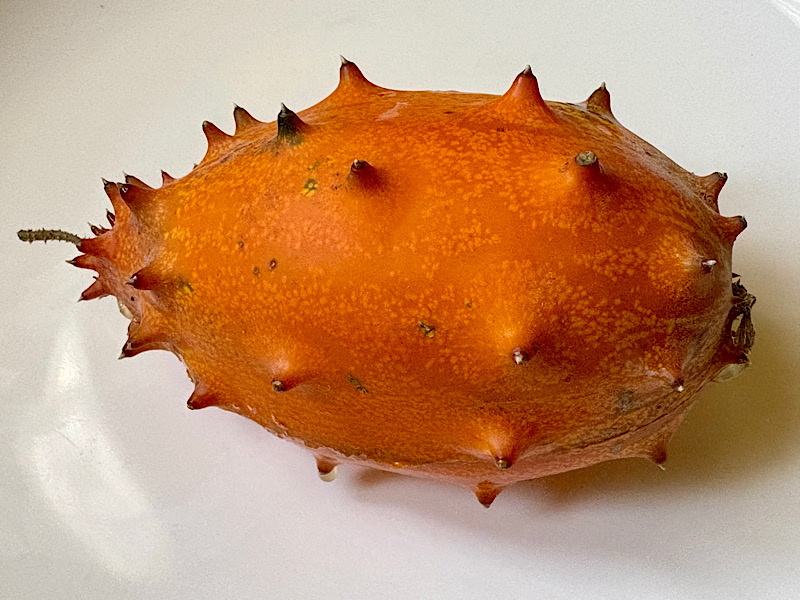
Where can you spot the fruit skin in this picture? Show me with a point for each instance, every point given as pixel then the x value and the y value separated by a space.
pixel 474 288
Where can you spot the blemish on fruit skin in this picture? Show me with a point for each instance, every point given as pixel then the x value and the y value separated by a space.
pixel 309 187
pixel 493 222
pixel 427 330
pixel 354 381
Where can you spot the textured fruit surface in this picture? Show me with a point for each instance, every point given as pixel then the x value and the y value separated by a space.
pixel 476 288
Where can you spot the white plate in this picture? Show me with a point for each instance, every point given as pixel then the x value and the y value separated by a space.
pixel 112 489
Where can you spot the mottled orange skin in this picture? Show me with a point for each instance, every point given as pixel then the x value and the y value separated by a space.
pixel 472 305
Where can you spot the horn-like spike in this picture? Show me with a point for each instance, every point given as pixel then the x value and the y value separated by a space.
pixel 710 186
pixel 202 397
pixel 121 209
pixel 149 334
pixel 654 447
pixel 96 290
pixel 290 126
pixel 486 492
pixel 351 79
pixel 135 197
pixel 150 277
pixel 503 451
pixel 218 141
pixel 523 101
pixel 110 217
pixel 732 226
pixel 599 103
pixel 326 468
pixel 97 230
pixel 363 174
pixel 585 170
pixel 97 245
pixel 166 178
pixel 214 135
pixel 136 181
pixel 85 261
pixel 657 453
pixel 243 119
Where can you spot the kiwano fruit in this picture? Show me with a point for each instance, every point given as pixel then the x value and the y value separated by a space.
pixel 474 288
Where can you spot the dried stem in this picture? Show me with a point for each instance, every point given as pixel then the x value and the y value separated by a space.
pixel 46 235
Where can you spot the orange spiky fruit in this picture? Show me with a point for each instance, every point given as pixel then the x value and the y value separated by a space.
pixel 467 287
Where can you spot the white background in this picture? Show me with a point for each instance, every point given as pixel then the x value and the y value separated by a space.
pixel 110 488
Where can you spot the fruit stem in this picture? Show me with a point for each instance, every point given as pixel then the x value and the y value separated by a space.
pixel 45 235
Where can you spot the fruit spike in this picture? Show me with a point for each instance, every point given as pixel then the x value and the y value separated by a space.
pixel 166 178
pixel 599 103
pixel 487 492
pixel 136 181
pixel 474 288
pixel 219 142
pixel 352 81
pixel 522 102
pixel 326 468
pixel 244 120
pixel 711 186
pixel 290 126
